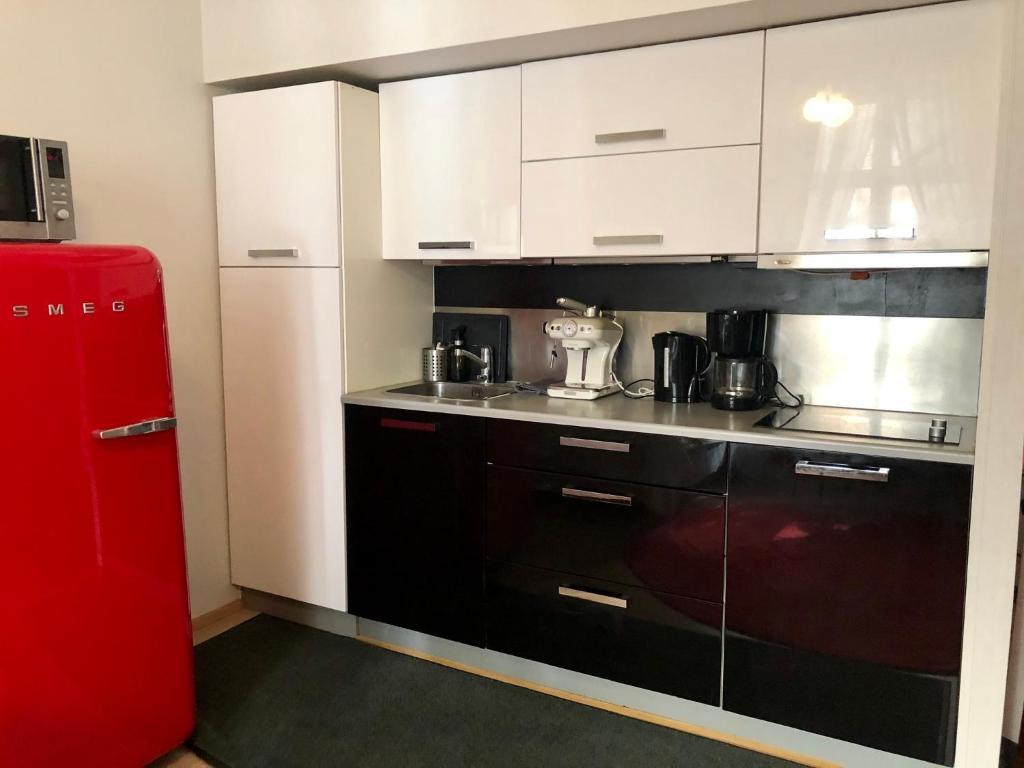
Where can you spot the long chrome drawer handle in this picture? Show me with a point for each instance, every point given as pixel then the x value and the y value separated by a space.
pixel 871 233
pixel 139 428
pixel 596 445
pixel 445 245
pixel 594 597
pixel 843 471
pixel 273 253
pixel 611 138
pixel 605 498
pixel 628 239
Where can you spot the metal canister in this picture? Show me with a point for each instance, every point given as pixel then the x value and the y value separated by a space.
pixel 435 362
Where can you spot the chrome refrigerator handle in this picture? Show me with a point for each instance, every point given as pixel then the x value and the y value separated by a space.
pixel 139 428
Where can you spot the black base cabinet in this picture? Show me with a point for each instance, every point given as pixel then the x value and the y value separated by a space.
pixel 415 513
pixel 845 596
pixel 652 640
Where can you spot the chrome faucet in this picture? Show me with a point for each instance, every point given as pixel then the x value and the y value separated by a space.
pixel 486 375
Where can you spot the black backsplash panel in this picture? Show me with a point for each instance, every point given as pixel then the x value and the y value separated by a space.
pixel 704 287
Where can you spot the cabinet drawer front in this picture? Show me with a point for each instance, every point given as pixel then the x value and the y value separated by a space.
pixel 276 154
pixel 676 462
pixel 644 536
pixel 635 636
pixel 845 565
pixel 688 202
pixel 701 93
pixel 450 166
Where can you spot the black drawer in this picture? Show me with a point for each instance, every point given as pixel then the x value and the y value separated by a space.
pixel 645 536
pixel 635 636
pixel 676 462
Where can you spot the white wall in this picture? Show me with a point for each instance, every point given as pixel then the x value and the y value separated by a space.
pixel 121 82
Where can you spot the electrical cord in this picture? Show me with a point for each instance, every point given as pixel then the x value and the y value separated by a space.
pixel 775 399
pixel 638 394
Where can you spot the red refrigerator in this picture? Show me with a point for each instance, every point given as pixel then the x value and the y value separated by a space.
pixel 95 643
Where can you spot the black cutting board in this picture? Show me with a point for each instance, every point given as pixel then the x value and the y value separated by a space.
pixel 491 330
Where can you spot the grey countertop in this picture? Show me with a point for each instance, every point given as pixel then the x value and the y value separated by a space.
pixel 698 420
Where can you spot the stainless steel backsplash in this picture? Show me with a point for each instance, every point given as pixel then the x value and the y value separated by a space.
pixel 927 365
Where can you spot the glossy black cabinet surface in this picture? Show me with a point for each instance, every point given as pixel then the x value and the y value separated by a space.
pixel 675 462
pixel 845 596
pixel 640 535
pixel 635 636
pixel 415 513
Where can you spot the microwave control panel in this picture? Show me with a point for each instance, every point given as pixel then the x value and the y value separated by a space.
pixel 55 178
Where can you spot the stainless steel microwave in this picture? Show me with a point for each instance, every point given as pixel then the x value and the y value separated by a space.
pixel 35 190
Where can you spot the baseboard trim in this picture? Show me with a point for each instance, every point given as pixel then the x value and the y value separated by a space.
pixel 636 714
pixel 203 620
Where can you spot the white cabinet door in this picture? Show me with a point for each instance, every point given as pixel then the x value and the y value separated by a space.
pixel 449 161
pixel 701 93
pixel 687 202
pixel 880 131
pixel 276 157
pixel 282 388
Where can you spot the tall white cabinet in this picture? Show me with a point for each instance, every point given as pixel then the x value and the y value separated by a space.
pixel 309 310
pixel 880 131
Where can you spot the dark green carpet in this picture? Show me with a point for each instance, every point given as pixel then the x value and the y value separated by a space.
pixel 273 693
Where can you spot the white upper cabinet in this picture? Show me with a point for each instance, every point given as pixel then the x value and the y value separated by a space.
pixel 686 202
pixel 450 159
pixel 700 93
pixel 277 176
pixel 880 131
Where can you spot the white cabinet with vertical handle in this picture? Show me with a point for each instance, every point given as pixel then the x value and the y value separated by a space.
pixel 450 153
pixel 302 288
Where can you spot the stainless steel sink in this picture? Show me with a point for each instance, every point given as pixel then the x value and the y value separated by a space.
pixel 452 390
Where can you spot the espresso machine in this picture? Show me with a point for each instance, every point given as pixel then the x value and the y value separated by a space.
pixel 742 377
pixel 590 338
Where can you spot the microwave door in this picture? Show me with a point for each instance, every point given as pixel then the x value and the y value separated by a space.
pixel 22 215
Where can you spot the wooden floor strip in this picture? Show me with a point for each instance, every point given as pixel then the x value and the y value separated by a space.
pixel 636 714
pixel 204 620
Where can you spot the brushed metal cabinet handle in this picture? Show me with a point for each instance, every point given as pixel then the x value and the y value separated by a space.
pixel 872 233
pixel 595 445
pixel 274 253
pixel 445 245
pixel 604 498
pixel 843 471
pixel 37 183
pixel 411 426
pixel 629 239
pixel 611 138
pixel 594 597
pixel 136 429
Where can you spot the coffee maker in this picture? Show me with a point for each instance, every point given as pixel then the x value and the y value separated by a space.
pixel 680 362
pixel 742 378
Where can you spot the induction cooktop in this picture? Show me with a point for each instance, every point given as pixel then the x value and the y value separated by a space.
pixel 889 425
